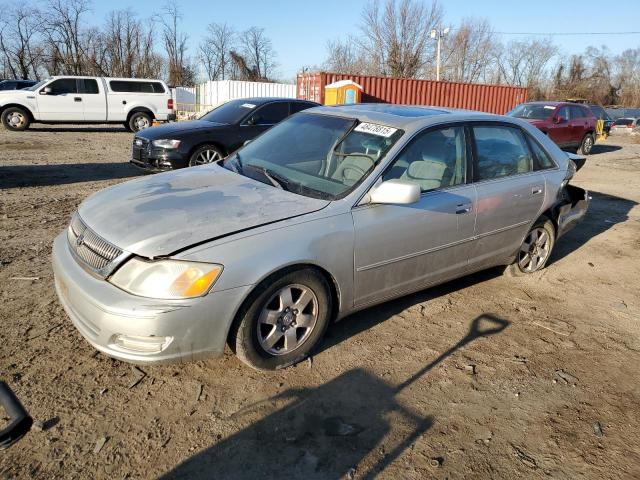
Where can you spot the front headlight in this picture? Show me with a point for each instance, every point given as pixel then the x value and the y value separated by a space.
pixel 166 279
pixel 166 143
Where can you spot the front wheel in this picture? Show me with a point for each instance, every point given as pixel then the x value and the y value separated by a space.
pixel 15 119
pixel 284 322
pixel 205 154
pixel 535 249
pixel 586 145
pixel 139 121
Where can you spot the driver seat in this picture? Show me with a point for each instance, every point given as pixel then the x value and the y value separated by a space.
pixel 352 169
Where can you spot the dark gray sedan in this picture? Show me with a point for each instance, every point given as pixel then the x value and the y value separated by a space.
pixel 331 211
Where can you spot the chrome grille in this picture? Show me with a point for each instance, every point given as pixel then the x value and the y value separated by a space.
pixel 89 247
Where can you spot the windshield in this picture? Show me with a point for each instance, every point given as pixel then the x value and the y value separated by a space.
pixel 532 111
pixel 230 112
pixel 624 121
pixel 36 86
pixel 315 155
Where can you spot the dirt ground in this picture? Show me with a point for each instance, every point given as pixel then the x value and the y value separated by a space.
pixel 484 377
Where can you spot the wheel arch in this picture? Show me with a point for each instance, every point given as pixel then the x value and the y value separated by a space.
pixel 22 107
pixel 334 291
pixel 142 110
pixel 202 143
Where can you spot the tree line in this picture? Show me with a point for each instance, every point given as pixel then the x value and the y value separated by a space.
pixel 53 37
pixel 394 39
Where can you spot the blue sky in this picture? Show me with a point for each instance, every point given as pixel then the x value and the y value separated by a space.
pixel 300 29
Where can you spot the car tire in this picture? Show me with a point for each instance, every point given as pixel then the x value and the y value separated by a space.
pixel 139 121
pixel 269 333
pixel 204 155
pixel 536 249
pixel 586 145
pixel 15 119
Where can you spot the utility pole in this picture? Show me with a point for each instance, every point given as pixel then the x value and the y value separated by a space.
pixel 439 34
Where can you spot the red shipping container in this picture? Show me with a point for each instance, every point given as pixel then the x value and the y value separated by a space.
pixel 408 91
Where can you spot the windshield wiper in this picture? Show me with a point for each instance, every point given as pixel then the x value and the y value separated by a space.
pixel 275 179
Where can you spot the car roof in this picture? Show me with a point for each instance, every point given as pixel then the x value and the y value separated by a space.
pixel 261 100
pixel 401 116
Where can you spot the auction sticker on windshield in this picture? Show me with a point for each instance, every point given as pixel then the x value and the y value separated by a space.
pixel 375 129
pixel 248 105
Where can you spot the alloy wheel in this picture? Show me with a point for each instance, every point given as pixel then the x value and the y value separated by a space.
pixel 207 156
pixel 588 144
pixel 287 319
pixel 534 250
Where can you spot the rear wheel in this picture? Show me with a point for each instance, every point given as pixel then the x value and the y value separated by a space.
pixel 15 119
pixel 205 154
pixel 284 322
pixel 586 145
pixel 535 249
pixel 139 121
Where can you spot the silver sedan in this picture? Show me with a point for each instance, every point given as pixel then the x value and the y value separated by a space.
pixel 333 210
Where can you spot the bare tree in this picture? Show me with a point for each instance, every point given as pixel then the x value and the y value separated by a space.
pixel 628 77
pixel 525 63
pixel 397 38
pixel 19 41
pixel 175 42
pixel 214 50
pixel 345 57
pixel 257 51
pixel 469 52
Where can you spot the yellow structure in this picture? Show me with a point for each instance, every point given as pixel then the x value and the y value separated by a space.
pixel 344 92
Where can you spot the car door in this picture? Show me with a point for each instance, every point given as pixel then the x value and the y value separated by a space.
pixel 93 100
pixel 400 248
pixel 578 124
pixel 509 192
pixel 62 102
pixel 559 129
pixel 262 119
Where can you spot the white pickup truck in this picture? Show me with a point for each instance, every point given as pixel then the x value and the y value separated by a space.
pixel 71 99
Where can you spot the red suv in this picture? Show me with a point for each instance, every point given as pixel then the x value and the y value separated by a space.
pixel 570 125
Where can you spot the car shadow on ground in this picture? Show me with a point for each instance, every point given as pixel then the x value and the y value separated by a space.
pixel 325 431
pixel 14 176
pixel 601 148
pixel 604 212
pixel 81 129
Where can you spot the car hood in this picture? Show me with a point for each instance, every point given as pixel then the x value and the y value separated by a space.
pixel 161 214
pixel 177 128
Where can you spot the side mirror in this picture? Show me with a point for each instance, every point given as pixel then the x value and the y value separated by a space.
pixel 395 192
pixel 558 119
pixel 46 91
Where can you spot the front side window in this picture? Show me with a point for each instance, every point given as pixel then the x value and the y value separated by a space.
pixel 271 114
pixel 500 151
pixel 434 159
pixel 63 85
pixel 319 156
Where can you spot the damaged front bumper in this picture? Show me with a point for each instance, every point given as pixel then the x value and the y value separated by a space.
pixel 572 209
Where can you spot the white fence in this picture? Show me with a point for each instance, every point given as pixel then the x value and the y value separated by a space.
pixel 192 102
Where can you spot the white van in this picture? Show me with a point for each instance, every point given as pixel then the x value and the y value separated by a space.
pixel 71 99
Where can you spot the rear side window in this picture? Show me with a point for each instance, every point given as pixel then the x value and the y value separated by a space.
pixel 63 85
pixel 577 112
pixel 88 85
pixel 126 86
pixel 501 151
pixel 541 159
pixel 271 113
pixel 299 106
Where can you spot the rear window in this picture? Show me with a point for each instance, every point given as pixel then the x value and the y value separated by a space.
pixel 623 121
pixel 127 86
pixel 599 112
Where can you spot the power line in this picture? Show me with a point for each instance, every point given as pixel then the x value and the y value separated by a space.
pixel 553 34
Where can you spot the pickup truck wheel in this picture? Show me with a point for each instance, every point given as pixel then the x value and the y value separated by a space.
pixel 535 249
pixel 205 154
pixel 139 121
pixel 284 321
pixel 15 119
pixel 586 145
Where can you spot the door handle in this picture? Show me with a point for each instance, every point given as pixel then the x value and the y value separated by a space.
pixel 536 190
pixel 77 99
pixel 462 208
